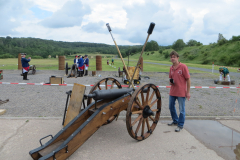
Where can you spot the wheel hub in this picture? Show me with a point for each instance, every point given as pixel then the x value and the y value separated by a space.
pixel 147 112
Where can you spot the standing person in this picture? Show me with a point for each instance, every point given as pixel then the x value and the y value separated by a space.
pixel 76 63
pixel 112 61
pixel 180 90
pixel 83 65
pixel 86 65
pixel 80 66
pixel 76 60
pixel 108 62
pixel 25 65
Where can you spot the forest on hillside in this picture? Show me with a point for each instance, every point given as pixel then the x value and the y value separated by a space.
pixel 40 48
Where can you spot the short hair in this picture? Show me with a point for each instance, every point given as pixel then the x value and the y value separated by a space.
pixel 174 53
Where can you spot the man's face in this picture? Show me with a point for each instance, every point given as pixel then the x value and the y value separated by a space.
pixel 174 59
pixel 24 56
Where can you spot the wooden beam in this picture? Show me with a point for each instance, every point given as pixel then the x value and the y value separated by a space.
pixel 75 103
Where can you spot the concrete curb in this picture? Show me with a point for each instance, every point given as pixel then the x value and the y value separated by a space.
pixel 124 117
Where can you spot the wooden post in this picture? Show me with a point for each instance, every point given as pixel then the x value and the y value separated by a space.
pixel 19 61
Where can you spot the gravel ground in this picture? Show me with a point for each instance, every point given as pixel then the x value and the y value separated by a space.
pixel 49 101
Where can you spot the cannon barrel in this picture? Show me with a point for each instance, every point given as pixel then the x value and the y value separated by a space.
pixel 109 94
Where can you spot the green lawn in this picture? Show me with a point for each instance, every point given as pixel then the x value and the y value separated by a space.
pixel 52 64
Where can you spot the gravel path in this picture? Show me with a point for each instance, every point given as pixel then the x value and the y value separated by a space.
pixel 49 101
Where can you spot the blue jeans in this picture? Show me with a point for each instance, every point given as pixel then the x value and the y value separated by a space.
pixel 181 101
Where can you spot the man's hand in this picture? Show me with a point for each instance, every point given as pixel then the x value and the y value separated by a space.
pixel 188 96
pixel 170 83
pixel 29 57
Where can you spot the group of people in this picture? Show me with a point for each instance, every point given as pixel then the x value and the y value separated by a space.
pixel 111 63
pixel 82 65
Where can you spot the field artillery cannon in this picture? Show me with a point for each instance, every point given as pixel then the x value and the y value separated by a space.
pixel 73 72
pixel 126 78
pixel 225 73
pixel 143 107
pixel 31 68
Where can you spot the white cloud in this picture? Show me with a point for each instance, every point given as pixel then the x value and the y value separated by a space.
pixel 71 14
pixel 11 15
pixel 52 6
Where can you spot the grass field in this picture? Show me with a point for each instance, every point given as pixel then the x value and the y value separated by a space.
pixel 52 64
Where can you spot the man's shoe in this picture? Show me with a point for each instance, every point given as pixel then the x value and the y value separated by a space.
pixel 178 129
pixel 172 124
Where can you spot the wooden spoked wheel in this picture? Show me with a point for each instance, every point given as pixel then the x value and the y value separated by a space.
pixel 33 69
pixel 74 69
pixel 105 84
pixel 143 111
pixel 66 68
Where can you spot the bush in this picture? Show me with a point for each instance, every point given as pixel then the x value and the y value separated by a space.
pixel 37 57
pixel 199 44
pixel 223 59
pixel 166 54
pixel 235 38
pixel 185 54
pixel 232 60
pixel 160 51
pixel 7 55
pixel 205 61
pixel 191 57
pixel 205 54
pixel 152 52
pixel 222 41
pixel 178 45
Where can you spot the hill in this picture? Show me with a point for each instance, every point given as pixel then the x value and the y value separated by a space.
pixel 227 54
pixel 40 48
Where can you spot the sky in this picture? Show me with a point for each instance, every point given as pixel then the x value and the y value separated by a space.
pixel 85 20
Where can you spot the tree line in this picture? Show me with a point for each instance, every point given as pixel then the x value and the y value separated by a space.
pixel 40 48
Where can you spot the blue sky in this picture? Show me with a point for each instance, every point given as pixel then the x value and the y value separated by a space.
pixel 85 20
pixel 40 13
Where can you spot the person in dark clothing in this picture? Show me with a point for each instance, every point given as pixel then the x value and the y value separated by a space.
pixel 80 66
pixel 25 66
pixel 86 65
pixel 112 62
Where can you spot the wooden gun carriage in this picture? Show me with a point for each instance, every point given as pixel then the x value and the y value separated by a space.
pixel 31 68
pixel 105 101
pixel 126 78
pixel 73 72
